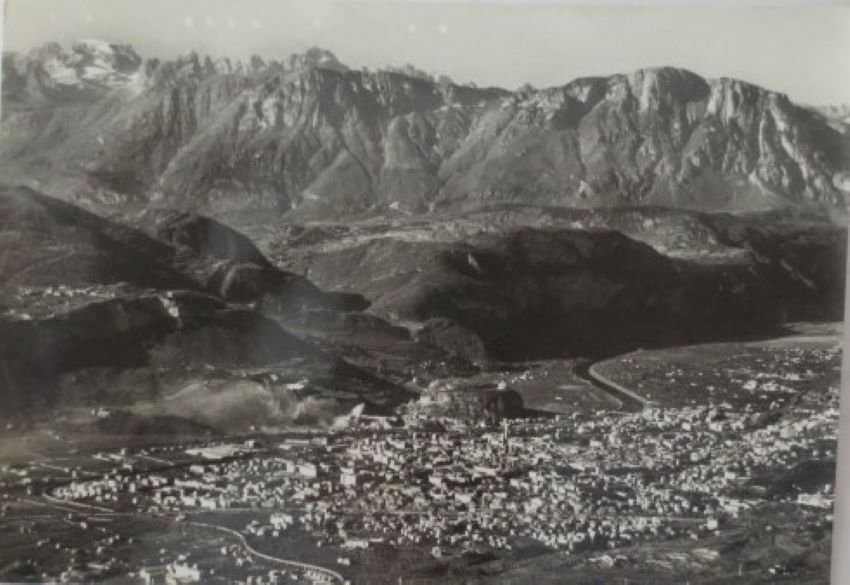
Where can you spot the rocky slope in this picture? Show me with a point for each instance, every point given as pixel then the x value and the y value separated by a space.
pixel 228 264
pixel 311 136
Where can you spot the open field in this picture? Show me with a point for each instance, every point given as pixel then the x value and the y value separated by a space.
pixel 758 373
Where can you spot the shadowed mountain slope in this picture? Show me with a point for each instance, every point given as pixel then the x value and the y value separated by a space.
pixel 95 312
pixel 547 292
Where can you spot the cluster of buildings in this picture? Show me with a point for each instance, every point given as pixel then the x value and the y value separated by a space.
pixel 572 483
pixel 576 483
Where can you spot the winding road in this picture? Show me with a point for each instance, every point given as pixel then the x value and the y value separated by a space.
pixel 323 573
pixel 328 575
pixel 627 399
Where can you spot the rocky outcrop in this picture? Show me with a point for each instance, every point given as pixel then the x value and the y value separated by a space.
pixel 228 264
pixel 459 399
pixel 202 235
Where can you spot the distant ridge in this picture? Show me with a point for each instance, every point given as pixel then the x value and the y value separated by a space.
pixel 309 135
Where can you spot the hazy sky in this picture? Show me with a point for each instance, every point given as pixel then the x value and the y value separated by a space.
pixel 803 51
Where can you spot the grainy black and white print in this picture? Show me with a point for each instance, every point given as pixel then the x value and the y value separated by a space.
pixel 395 293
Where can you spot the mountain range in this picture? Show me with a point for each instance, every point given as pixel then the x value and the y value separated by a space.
pixel 232 243
pixel 98 124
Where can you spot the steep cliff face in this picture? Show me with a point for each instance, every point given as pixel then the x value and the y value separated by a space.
pixel 658 137
pixel 312 135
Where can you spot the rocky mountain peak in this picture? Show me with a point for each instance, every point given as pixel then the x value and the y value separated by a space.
pixel 316 57
pixel 85 68
pixel 667 85
pixel 121 58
